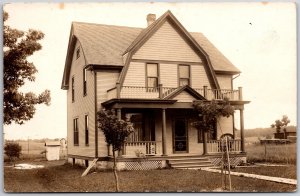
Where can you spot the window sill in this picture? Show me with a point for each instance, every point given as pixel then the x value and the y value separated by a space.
pixel 76 144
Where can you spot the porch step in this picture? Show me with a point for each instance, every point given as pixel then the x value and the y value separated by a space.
pixel 189 162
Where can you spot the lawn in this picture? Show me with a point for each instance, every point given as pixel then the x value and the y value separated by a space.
pixel 65 178
pixel 288 171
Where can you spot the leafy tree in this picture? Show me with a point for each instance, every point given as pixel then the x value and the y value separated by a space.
pixel 281 124
pixel 116 131
pixel 209 113
pixel 17 47
pixel 12 150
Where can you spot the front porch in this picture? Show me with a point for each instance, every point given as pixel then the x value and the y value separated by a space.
pixel 168 132
pixel 162 119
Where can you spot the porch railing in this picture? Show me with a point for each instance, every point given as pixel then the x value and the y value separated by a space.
pixel 215 146
pixel 138 92
pixel 144 147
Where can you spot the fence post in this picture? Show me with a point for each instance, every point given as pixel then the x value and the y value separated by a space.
pixel 265 151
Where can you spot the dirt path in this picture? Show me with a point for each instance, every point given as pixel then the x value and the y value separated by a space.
pixel 261 177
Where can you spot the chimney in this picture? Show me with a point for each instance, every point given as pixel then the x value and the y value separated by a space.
pixel 150 19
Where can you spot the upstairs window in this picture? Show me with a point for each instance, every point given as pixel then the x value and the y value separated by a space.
pixel 84 82
pixel 77 53
pixel 86 126
pixel 152 76
pixel 184 75
pixel 75 131
pixel 73 90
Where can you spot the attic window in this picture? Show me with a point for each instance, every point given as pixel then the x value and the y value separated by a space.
pixel 77 53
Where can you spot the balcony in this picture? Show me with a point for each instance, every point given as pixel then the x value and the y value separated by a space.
pixel 160 92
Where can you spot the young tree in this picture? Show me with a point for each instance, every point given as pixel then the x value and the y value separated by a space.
pixel 279 124
pixel 17 46
pixel 13 151
pixel 209 113
pixel 116 131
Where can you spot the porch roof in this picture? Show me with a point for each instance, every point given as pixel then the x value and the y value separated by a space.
pixel 145 103
pixel 159 103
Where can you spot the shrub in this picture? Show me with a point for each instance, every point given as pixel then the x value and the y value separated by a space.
pixel 12 150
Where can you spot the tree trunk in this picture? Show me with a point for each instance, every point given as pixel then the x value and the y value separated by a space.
pixel 115 172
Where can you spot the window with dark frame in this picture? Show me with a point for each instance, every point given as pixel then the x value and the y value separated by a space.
pixel 86 125
pixel 152 77
pixel 77 53
pixel 75 130
pixel 73 90
pixel 184 75
pixel 84 82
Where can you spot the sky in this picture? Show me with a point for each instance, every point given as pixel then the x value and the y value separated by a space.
pixel 258 38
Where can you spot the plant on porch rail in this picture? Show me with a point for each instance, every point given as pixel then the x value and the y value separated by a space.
pixel 116 131
pixel 209 113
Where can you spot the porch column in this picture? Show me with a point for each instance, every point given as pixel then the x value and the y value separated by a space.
pixel 164 133
pixel 120 152
pixel 204 133
pixel 160 91
pixel 242 130
pixel 205 92
pixel 118 85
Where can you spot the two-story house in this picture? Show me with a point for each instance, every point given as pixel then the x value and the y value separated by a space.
pixel 150 76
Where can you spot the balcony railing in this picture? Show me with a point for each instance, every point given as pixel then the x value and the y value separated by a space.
pixel 160 92
pixel 215 146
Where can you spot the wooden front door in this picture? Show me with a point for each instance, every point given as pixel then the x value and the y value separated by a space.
pixel 180 135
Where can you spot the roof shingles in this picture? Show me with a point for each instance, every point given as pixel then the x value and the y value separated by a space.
pixel 105 45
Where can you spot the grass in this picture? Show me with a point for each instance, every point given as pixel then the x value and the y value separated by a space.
pixel 284 154
pixel 65 178
pixel 275 171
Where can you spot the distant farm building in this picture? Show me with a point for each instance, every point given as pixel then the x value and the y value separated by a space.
pixel 290 133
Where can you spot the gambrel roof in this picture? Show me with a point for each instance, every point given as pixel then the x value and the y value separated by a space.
pixel 107 45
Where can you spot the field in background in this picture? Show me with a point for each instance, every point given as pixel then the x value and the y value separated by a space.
pixel 281 153
pixel 33 149
pixel 261 133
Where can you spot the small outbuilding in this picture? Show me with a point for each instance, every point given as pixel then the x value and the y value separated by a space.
pixel 52 150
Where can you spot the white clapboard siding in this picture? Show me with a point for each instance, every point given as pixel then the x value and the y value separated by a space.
pixel 225 125
pixel 224 81
pixel 199 77
pixel 83 105
pixel 184 97
pixel 166 44
pixel 169 75
pixel 194 146
pixel 135 75
pixel 106 79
